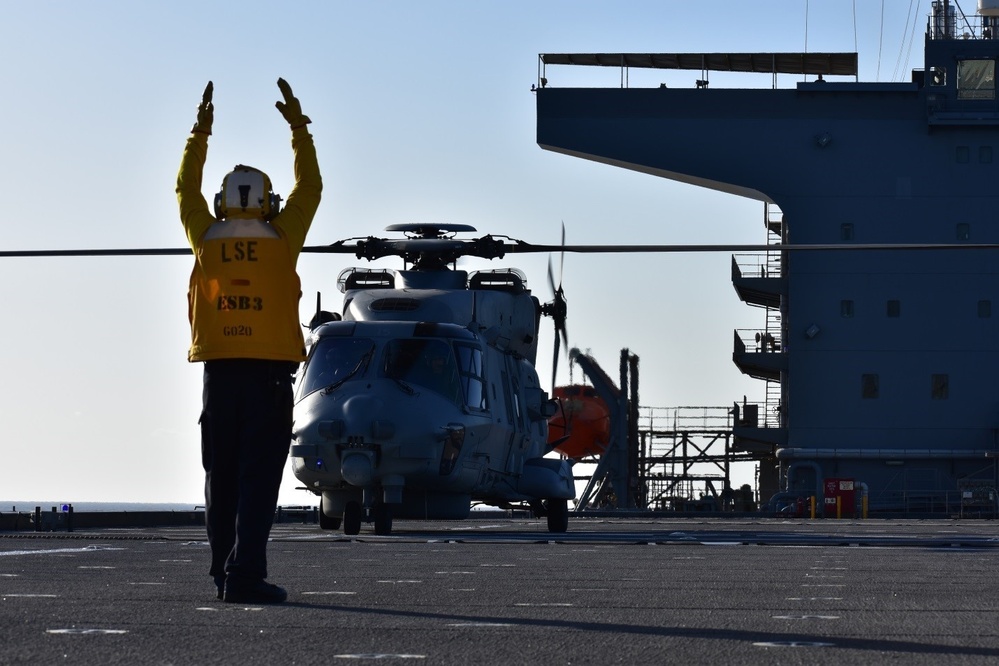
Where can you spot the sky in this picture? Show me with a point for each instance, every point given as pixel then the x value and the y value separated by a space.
pixel 422 111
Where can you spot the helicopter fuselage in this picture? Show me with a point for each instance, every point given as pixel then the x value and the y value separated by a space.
pixel 424 399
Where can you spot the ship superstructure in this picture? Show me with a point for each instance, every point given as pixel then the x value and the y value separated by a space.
pixel 881 365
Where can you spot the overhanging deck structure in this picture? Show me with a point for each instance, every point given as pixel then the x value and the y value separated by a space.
pixel 884 362
pixel 842 64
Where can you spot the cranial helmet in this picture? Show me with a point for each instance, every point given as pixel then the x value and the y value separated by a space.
pixel 246 193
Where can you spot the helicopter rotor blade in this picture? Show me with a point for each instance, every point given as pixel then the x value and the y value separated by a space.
pixel 560 295
pixel 561 263
pixel 490 247
pixel 561 333
pixel 557 308
pixel 155 251
pixel 561 256
pixel 527 248
pixel 340 247
pixel 555 361
pixel 552 309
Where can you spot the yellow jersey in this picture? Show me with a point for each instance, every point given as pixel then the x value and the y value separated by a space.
pixel 244 289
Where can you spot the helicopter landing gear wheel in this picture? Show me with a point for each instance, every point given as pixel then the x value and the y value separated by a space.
pixel 383 518
pixel 352 518
pixel 558 515
pixel 327 522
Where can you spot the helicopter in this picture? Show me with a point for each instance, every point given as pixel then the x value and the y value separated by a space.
pixel 421 397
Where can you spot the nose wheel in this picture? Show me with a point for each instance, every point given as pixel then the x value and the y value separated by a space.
pixel 382 515
pixel 352 518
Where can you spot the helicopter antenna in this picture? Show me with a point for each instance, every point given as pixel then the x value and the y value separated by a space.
pixel 321 317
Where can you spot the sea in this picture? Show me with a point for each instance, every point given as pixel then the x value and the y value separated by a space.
pixel 89 507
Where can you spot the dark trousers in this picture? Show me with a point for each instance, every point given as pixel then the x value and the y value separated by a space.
pixel 245 436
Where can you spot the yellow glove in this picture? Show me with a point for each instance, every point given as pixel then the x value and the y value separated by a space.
pixel 206 112
pixel 291 108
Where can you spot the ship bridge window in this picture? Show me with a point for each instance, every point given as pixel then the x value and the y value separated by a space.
pixel 335 360
pixel 976 79
pixel 938 76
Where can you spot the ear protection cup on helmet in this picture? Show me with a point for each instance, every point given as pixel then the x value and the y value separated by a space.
pixel 219 213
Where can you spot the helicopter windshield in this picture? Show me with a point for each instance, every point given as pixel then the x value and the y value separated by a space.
pixel 335 359
pixel 423 362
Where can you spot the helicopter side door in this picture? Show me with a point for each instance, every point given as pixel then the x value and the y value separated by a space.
pixel 517 417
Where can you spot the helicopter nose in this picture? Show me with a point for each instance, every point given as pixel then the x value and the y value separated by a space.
pixel 357 470
pixel 364 418
pixel 361 409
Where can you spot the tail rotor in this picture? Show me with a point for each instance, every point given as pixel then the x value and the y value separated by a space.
pixel 557 309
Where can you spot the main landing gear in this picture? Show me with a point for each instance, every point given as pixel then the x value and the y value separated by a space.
pixel 555 510
pixel 558 515
pixel 353 515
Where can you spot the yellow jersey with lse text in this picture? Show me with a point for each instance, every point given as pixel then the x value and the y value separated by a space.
pixel 244 295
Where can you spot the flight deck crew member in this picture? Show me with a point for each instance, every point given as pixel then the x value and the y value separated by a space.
pixel 243 309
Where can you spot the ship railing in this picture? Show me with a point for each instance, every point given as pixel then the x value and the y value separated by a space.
pixel 685 419
pixel 764 414
pixel 916 502
pixel 713 419
pixel 651 68
pixel 957 25
pixel 687 493
pixel 760 341
pixel 756 265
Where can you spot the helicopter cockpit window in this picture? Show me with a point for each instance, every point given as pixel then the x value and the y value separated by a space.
pixel 335 360
pixel 470 372
pixel 423 362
